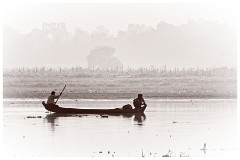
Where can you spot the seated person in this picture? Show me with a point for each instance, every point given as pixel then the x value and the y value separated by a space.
pixel 139 102
pixel 52 97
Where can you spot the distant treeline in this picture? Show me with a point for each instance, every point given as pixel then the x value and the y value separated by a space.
pixel 197 43
pixel 151 71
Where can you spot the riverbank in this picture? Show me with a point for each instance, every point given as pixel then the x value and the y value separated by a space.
pixel 174 87
pixel 102 96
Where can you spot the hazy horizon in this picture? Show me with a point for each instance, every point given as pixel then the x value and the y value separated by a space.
pixel 140 35
pixel 114 16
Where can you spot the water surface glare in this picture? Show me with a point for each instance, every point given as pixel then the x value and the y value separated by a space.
pixel 179 126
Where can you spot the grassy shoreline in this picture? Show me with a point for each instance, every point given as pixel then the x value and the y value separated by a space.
pixel 156 87
pixel 125 96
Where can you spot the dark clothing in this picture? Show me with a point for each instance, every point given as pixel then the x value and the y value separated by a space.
pixel 138 102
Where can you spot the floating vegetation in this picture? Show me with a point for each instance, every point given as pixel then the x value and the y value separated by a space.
pixel 34 116
pixel 104 116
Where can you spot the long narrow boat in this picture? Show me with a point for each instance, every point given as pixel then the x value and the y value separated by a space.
pixel 57 109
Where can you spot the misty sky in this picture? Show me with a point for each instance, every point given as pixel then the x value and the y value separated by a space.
pixel 114 17
pixel 197 34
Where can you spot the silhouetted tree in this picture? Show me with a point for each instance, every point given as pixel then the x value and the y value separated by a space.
pixel 102 58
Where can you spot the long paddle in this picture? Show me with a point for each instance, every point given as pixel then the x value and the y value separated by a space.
pixel 60 94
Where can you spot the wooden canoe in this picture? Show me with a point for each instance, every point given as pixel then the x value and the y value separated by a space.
pixel 57 109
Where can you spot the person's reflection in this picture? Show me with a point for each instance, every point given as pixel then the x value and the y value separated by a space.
pixel 53 120
pixel 139 118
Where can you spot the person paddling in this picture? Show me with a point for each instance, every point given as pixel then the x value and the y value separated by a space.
pixel 52 97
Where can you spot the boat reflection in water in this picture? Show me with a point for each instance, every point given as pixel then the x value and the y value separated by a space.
pixel 53 118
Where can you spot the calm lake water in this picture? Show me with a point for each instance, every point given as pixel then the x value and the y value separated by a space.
pixel 172 127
